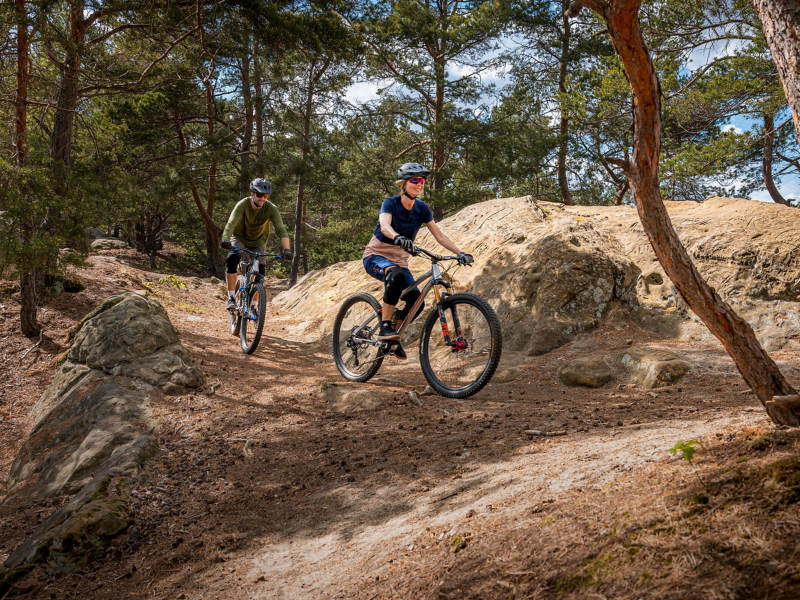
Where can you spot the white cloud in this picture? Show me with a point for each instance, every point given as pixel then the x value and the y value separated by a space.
pixel 363 91
pixel 733 128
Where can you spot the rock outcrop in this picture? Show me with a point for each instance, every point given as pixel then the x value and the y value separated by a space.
pixel 553 271
pixel 92 431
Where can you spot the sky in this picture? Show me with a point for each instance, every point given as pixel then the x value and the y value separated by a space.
pixel 788 184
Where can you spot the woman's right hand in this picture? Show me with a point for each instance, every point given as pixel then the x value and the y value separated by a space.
pixel 404 242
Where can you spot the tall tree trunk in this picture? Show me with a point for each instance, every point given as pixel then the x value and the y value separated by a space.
pixel 212 231
pixel 736 335
pixel 259 110
pixel 766 161
pixel 29 321
pixel 67 102
pixel 437 152
pixel 21 99
pixel 781 22
pixel 299 211
pixel 298 232
pixel 563 135
pixel 247 134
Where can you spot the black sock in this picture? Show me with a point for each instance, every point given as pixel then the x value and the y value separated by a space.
pixel 388 324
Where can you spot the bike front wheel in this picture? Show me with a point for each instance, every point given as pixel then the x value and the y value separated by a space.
pixel 253 321
pixel 355 328
pixel 464 367
pixel 236 315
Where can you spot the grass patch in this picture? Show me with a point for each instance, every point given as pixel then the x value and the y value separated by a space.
pixel 592 572
pixel 761 443
pixel 786 472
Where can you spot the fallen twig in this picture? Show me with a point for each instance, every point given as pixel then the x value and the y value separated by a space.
pixel 414 398
pixel 544 433
pixel 41 335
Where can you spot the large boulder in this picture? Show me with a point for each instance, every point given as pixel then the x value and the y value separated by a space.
pixel 553 271
pixel 109 243
pixel 592 371
pixel 654 367
pixel 93 431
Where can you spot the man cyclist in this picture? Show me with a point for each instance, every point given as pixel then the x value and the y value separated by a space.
pixel 248 228
pixel 386 255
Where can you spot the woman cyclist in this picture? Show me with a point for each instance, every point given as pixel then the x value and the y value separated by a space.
pixel 386 256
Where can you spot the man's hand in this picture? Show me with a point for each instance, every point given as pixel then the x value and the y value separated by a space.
pixel 287 254
pixel 405 243
pixel 465 259
pixel 226 244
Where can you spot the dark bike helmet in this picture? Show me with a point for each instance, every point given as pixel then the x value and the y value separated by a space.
pixel 260 186
pixel 409 170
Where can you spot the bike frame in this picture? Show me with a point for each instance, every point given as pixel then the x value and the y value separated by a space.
pixel 436 279
pixel 251 269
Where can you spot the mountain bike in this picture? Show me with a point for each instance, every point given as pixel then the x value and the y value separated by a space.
pixel 460 342
pixel 247 320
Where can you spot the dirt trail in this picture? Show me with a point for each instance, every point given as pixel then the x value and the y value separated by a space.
pixel 263 491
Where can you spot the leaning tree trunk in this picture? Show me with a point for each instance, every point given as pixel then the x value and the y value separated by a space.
pixel 781 22
pixel 766 161
pixel 736 335
pixel 563 134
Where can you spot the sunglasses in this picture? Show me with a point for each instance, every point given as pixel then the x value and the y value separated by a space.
pixel 261 195
pixel 416 180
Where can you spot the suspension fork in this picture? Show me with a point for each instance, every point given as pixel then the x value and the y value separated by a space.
pixel 443 319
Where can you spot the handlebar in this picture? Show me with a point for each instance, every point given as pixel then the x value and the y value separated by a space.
pixel 256 254
pixel 437 257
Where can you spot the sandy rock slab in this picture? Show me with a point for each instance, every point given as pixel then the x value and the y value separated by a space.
pixel 592 371
pixel 93 432
pixel 653 367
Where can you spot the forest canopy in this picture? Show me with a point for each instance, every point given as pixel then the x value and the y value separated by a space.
pixel 148 118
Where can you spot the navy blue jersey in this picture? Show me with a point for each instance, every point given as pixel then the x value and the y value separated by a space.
pixel 404 222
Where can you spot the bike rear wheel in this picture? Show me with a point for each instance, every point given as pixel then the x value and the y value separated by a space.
pixel 236 314
pixel 462 369
pixel 357 322
pixel 253 321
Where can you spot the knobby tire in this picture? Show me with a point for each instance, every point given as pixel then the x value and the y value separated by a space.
pixel 344 358
pixel 432 331
pixel 255 327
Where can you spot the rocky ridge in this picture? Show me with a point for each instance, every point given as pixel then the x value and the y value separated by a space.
pixel 553 271
pixel 92 432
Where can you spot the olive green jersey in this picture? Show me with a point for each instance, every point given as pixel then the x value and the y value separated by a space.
pixel 251 227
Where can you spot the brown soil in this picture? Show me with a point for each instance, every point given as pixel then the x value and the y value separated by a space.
pixel 262 491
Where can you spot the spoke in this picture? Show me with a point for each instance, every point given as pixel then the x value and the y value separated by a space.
pixel 358 356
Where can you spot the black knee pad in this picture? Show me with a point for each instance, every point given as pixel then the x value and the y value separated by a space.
pixel 262 269
pixel 232 262
pixel 395 284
